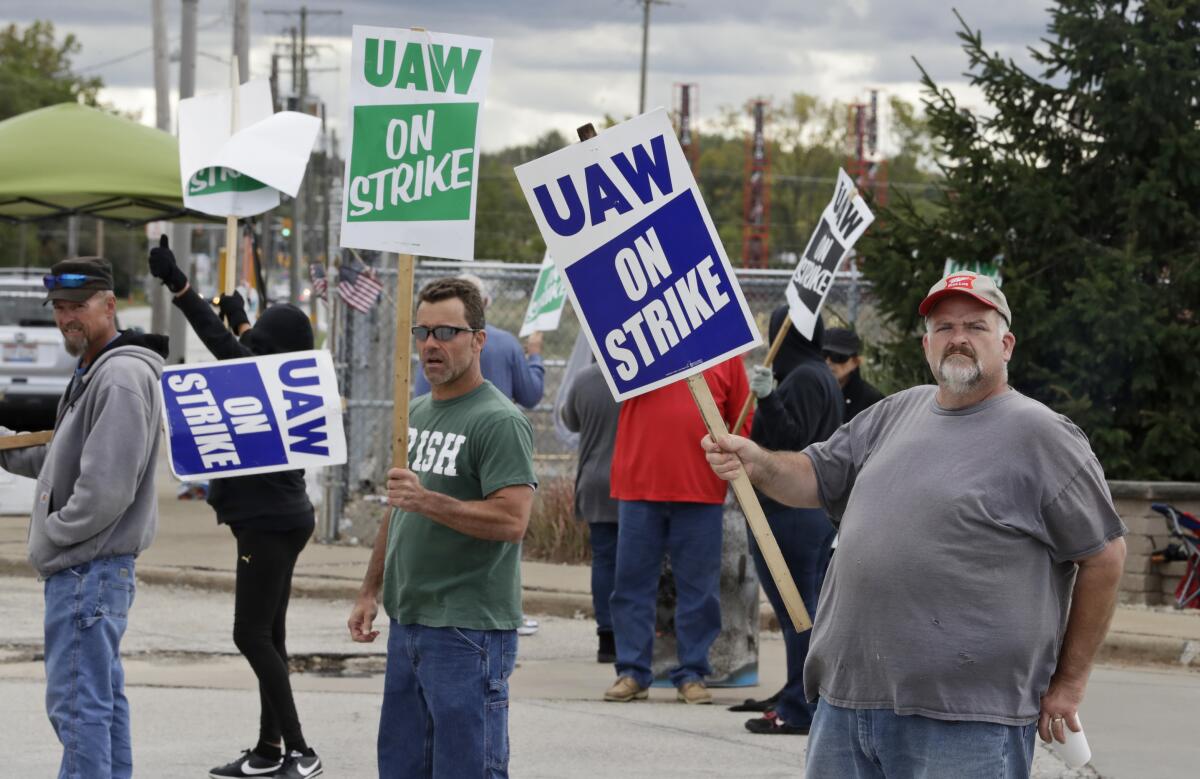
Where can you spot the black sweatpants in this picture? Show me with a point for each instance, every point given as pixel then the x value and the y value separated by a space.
pixel 266 560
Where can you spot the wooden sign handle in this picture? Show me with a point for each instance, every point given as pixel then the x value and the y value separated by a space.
pixel 229 267
pixel 743 490
pixel 767 363
pixel 23 440
pixel 402 360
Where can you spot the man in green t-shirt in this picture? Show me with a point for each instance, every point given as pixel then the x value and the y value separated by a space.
pixel 447 559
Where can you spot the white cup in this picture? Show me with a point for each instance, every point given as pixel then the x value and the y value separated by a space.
pixel 1075 752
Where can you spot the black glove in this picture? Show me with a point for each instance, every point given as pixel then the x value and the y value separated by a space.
pixel 163 267
pixel 233 311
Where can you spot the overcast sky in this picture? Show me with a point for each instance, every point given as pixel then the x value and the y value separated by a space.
pixel 560 63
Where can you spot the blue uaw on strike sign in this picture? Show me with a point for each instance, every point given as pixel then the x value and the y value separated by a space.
pixel 254 415
pixel 623 219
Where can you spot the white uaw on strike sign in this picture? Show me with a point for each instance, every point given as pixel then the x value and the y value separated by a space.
pixel 843 221
pixel 254 415
pixel 624 221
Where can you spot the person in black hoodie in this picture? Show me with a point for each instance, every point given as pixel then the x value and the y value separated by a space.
pixel 804 407
pixel 271 518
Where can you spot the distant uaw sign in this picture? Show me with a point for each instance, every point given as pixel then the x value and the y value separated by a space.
pixel 254 415
pixel 623 219
pixel 842 223
pixel 413 166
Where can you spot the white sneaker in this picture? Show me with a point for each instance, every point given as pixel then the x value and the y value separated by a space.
pixel 528 626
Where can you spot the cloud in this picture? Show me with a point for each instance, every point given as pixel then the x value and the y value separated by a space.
pixel 558 63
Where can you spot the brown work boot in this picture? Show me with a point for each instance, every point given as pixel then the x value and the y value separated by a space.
pixel 693 692
pixel 625 689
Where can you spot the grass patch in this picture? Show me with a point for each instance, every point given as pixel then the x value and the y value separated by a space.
pixel 554 535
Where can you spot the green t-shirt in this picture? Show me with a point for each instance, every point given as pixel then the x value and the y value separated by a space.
pixel 467 448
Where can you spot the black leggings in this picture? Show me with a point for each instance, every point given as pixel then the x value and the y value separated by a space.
pixel 264 584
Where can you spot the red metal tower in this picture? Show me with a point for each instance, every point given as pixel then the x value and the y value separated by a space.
pixel 756 200
pixel 687 106
pixel 865 164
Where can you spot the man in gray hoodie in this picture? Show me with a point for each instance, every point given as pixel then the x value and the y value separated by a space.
pixel 95 509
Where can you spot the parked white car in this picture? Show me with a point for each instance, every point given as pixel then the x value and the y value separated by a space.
pixel 34 366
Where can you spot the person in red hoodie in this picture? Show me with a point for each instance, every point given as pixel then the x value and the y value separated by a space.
pixel 670 502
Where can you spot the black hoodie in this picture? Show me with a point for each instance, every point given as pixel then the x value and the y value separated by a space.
pixel 806 406
pixel 266 501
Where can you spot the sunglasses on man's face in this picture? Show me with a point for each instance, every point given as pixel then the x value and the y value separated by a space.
pixel 65 281
pixel 838 358
pixel 441 332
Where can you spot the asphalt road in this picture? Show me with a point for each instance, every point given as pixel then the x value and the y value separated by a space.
pixel 194 705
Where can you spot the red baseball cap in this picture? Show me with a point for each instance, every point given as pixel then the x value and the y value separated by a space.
pixel 965 282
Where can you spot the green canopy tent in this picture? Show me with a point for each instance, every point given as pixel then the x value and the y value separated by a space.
pixel 70 159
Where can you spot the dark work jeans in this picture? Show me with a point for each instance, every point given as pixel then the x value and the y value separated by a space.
pixel 805 538
pixel 603 538
pixel 264 585
pixel 445 703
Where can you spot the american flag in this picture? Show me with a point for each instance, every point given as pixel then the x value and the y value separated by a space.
pixel 358 286
pixel 320 285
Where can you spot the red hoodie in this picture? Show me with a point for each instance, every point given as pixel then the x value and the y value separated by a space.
pixel 658 455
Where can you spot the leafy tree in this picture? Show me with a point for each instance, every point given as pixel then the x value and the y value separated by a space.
pixel 1085 178
pixel 35 70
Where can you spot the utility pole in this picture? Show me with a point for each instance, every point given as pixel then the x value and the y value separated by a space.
pixel 181 239
pixel 301 193
pixel 241 38
pixel 299 53
pixel 159 303
pixel 645 48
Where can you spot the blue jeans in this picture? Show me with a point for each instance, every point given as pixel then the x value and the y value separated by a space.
pixel 880 744
pixel 445 703
pixel 805 538
pixel 691 534
pixel 87 610
pixel 603 538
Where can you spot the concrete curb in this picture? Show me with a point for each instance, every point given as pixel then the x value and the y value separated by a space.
pixel 1118 647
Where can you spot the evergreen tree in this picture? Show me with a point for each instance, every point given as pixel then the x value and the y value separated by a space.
pixel 1085 178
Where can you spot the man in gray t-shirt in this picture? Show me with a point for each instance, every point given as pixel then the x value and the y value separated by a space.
pixel 977 565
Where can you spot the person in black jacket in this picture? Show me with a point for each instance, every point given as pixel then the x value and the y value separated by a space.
pixel 270 517
pixel 841 349
pixel 804 407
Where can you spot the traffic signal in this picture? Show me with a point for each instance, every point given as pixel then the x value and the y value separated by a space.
pixel 285 227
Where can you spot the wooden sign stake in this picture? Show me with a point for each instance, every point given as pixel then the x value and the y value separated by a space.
pixel 748 500
pixel 402 360
pixel 743 490
pixel 23 440
pixel 229 267
pixel 767 363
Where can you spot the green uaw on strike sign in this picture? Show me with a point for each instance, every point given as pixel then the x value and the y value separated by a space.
pixel 412 172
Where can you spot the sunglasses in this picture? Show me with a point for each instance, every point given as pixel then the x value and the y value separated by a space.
pixel 66 281
pixel 441 332
pixel 837 358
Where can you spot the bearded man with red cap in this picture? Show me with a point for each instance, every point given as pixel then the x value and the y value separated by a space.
pixel 977 567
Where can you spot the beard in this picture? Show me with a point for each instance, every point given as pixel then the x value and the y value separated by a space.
pixel 958 377
pixel 75 342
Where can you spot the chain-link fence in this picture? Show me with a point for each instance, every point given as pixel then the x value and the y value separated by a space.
pixel 363 345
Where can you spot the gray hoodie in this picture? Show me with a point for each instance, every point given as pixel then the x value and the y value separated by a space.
pixel 95 492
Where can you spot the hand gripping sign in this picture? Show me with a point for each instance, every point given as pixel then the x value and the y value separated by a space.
pixel 279 412
pixel 412 170
pixel 624 221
